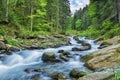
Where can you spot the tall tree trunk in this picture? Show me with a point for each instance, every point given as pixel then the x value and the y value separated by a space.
pixel 119 10
pixel 15 2
pixel 57 16
pixel 31 25
pixel 7 11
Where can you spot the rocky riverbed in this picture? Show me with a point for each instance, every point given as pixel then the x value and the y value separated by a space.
pixel 63 62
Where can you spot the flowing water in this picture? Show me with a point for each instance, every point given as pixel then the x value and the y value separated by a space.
pixel 12 66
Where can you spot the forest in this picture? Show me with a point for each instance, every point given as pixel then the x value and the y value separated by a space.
pixel 52 17
pixel 46 40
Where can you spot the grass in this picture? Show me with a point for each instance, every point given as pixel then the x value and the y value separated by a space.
pixel 117 76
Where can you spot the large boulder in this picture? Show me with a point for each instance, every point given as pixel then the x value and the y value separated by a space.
pixel 65 56
pixel 49 57
pixel 58 76
pixel 106 57
pixel 113 40
pixel 2 45
pixel 98 76
pixel 76 73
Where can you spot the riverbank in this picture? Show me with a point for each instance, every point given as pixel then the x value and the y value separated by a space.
pixel 32 42
pixel 104 62
pixel 101 62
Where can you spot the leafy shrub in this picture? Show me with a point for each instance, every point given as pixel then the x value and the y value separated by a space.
pixel 11 41
pixel 114 31
pixel 90 32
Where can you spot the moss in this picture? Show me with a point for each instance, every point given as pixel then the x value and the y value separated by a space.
pixel 49 53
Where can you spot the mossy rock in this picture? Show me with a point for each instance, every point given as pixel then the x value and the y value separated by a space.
pixel 76 73
pixel 48 56
pixel 58 76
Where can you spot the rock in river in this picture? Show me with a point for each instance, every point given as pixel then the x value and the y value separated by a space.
pixel 58 76
pixel 85 46
pixel 65 56
pixel 49 57
pixel 76 73
pixel 106 57
pixel 60 51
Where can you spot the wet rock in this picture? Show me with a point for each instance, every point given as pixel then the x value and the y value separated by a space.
pixel 76 49
pixel 87 45
pixel 80 41
pixel 49 57
pixel 65 56
pixel 98 76
pixel 76 38
pixel 106 57
pixel 58 76
pixel 76 73
pixel 60 51
pixel 103 45
pixel 30 70
pixel 83 48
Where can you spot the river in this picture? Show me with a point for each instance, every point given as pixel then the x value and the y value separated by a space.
pixel 12 67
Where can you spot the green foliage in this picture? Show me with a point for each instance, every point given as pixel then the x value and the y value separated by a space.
pixel 90 32
pixel 117 76
pixel 71 32
pixel 78 23
pixel 110 32
pixel 2 30
pixel 92 9
pixel 97 19
pixel 11 40
pixel 107 25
